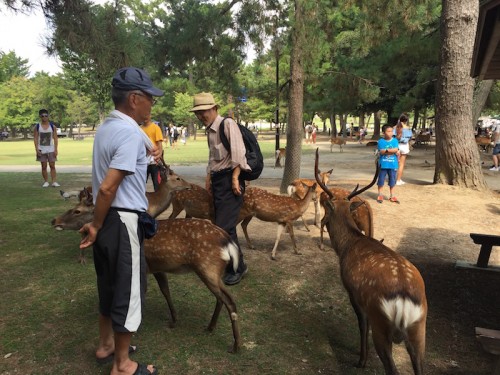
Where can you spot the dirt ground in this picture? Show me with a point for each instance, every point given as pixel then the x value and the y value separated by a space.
pixel 431 228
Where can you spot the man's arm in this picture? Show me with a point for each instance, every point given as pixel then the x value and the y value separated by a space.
pixel 56 140
pixel 35 137
pixel 105 196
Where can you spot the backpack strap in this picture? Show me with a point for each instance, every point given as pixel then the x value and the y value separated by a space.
pixel 38 126
pixel 223 137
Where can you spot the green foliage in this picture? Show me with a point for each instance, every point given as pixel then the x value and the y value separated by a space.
pixel 12 66
pixel 16 107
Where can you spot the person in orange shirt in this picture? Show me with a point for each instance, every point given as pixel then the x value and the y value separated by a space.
pixel 154 133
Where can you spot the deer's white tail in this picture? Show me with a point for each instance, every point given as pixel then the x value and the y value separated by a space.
pixel 402 312
pixel 290 190
pixel 230 252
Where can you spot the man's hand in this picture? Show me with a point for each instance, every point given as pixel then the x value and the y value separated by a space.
pixel 236 186
pixel 155 152
pixel 89 235
pixel 208 184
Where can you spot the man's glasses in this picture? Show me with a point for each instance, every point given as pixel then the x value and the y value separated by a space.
pixel 44 115
pixel 151 99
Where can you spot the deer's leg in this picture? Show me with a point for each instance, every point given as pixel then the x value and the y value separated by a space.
pixel 383 345
pixel 364 330
pixel 324 221
pixel 161 279
pixel 216 286
pixel 415 344
pixel 317 210
pixel 244 225
pixel 290 230
pixel 278 236
pixel 331 147
pixel 304 222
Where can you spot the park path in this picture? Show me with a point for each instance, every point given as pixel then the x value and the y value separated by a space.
pixel 354 164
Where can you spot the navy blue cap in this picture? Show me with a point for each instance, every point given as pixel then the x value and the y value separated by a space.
pixel 131 78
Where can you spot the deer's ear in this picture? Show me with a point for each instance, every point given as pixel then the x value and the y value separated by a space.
pixel 329 172
pixel 355 205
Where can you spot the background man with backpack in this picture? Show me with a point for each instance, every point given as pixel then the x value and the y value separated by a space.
pixel 224 180
pixel 45 136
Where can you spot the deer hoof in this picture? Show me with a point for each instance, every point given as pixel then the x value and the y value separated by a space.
pixel 273 257
pixel 233 349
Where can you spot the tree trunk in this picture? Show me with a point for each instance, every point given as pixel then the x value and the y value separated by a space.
pixel 457 156
pixel 294 129
pixel 481 92
pixel 415 120
pixel 377 120
pixel 333 124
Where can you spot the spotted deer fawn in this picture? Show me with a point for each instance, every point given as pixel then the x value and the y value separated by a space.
pixel 385 289
pixel 297 190
pixel 276 209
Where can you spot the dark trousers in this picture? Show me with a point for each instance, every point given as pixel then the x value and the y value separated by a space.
pixel 227 208
pixel 154 172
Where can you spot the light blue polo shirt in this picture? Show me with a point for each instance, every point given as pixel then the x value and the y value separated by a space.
pixel 120 145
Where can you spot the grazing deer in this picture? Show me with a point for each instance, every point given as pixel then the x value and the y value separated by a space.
pixel 280 155
pixel 362 215
pixel 196 202
pixel 385 289
pixel 194 245
pixel 484 143
pixel 297 190
pixel 337 141
pixel 276 209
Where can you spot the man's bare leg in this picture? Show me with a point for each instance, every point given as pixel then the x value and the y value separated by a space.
pixel 122 363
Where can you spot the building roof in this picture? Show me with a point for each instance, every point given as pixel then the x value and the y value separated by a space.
pixel 486 57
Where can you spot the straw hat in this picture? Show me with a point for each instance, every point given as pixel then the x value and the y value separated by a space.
pixel 203 101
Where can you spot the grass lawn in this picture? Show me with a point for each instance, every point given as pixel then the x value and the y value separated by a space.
pixel 22 152
pixel 48 314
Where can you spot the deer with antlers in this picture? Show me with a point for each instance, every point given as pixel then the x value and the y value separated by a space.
pixel 276 209
pixel 297 189
pixel 385 289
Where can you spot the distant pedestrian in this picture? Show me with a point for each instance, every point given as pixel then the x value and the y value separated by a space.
pixel 403 135
pixel 388 159
pixel 46 142
pixel 308 130
pixel 154 133
pixel 495 138
pixel 314 133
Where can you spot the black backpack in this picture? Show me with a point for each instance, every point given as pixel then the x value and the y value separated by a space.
pixel 253 154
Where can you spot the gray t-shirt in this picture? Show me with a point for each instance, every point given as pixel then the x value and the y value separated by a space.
pixel 120 145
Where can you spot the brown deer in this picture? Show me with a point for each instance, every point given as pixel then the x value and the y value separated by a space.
pixel 337 141
pixel 194 245
pixel 362 215
pixel 279 156
pixel 196 202
pixel 276 209
pixel 297 190
pixel 180 245
pixel 385 289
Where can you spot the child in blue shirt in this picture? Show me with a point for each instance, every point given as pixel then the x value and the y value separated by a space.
pixel 388 148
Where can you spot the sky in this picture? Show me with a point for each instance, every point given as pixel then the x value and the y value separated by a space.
pixel 23 34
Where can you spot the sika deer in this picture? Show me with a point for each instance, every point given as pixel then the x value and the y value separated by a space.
pixel 297 190
pixel 279 156
pixel 337 141
pixel 180 245
pixel 274 208
pixel 384 288
pixel 194 245
pixel 196 202
pixel 362 215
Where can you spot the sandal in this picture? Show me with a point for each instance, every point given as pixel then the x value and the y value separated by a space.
pixel 380 198
pixel 143 370
pixel 394 200
pixel 102 361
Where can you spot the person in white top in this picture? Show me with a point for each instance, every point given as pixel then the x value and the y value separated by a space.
pixel 495 138
pixel 46 142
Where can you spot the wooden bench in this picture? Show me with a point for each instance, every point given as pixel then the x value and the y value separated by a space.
pixel 490 341
pixel 487 241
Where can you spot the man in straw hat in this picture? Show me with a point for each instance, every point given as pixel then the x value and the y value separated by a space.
pixel 223 173
pixel 119 183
